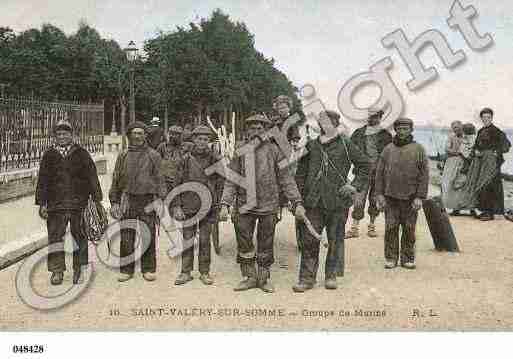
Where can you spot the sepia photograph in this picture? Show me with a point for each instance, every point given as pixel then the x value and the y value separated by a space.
pixel 265 166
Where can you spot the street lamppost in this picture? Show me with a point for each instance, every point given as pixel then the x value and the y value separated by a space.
pixel 131 55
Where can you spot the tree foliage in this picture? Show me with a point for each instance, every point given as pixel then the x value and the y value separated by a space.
pixel 207 68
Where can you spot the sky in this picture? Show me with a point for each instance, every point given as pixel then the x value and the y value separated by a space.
pixel 323 43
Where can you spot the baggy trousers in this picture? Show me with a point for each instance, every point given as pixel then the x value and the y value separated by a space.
pixel 334 222
pixel 246 253
pixel 146 240
pixel 56 224
pixel 368 191
pixel 400 213
pixel 189 233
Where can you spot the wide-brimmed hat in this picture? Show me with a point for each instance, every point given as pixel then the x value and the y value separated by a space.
pixel 258 119
pixel 62 125
pixel 155 121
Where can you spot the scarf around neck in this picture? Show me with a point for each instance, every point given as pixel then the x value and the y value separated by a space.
pixel 372 130
pixel 402 142
pixel 64 150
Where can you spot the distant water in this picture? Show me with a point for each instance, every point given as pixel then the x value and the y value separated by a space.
pixel 434 141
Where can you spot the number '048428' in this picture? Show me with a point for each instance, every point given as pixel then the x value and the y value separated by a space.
pixel 27 349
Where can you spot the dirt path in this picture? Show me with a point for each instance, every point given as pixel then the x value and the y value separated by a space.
pixel 466 291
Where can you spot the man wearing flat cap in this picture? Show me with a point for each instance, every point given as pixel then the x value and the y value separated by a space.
pixel 371 139
pixel 155 133
pixel 322 181
pixel 171 153
pixel 269 180
pixel 402 178
pixel 136 183
pixel 193 170
pixel 67 178
pixel 282 106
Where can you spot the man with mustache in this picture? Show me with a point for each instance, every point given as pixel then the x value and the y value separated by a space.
pixel 402 178
pixel 371 139
pixel 269 180
pixel 67 178
pixel 136 183
pixel 192 170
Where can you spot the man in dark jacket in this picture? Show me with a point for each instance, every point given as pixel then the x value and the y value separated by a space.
pixel 402 179
pixel 137 183
pixel 155 134
pixel 282 106
pixel 67 178
pixel 322 181
pixel 192 170
pixel 269 181
pixel 371 139
pixel 172 155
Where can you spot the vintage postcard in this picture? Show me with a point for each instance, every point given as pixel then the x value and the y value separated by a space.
pixel 256 166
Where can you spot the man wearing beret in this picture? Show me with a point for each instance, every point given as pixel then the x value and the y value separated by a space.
pixel 322 181
pixel 67 178
pixel 192 170
pixel 269 180
pixel 136 183
pixel 371 139
pixel 402 178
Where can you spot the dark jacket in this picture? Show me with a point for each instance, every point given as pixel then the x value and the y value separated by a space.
pixel 358 138
pixel 155 136
pixel 65 183
pixel 193 170
pixel 269 179
pixel 172 158
pixel 321 188
pixel 143 178
pixel 403 172
pixel 492 138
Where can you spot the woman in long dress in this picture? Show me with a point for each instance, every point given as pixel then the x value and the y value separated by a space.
pixel 454 163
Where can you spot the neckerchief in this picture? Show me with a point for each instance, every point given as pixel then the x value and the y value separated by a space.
pixel 63 150
pixel 403 142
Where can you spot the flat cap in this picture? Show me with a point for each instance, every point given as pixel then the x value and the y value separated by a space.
pixel 175 129
pixel 258 119
pixel 63 125
pixel 403 121
pixel 136 124
pixel 202 130
pixel 375 111
pixel 282 99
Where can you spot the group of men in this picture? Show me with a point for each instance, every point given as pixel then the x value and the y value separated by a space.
pixel 391 171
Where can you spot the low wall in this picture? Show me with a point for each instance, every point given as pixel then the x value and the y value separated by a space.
pixel 20 183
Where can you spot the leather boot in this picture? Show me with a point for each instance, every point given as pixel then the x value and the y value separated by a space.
pixel 264 282
pixel 57 278
pixel 249 282
pixel 77 274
